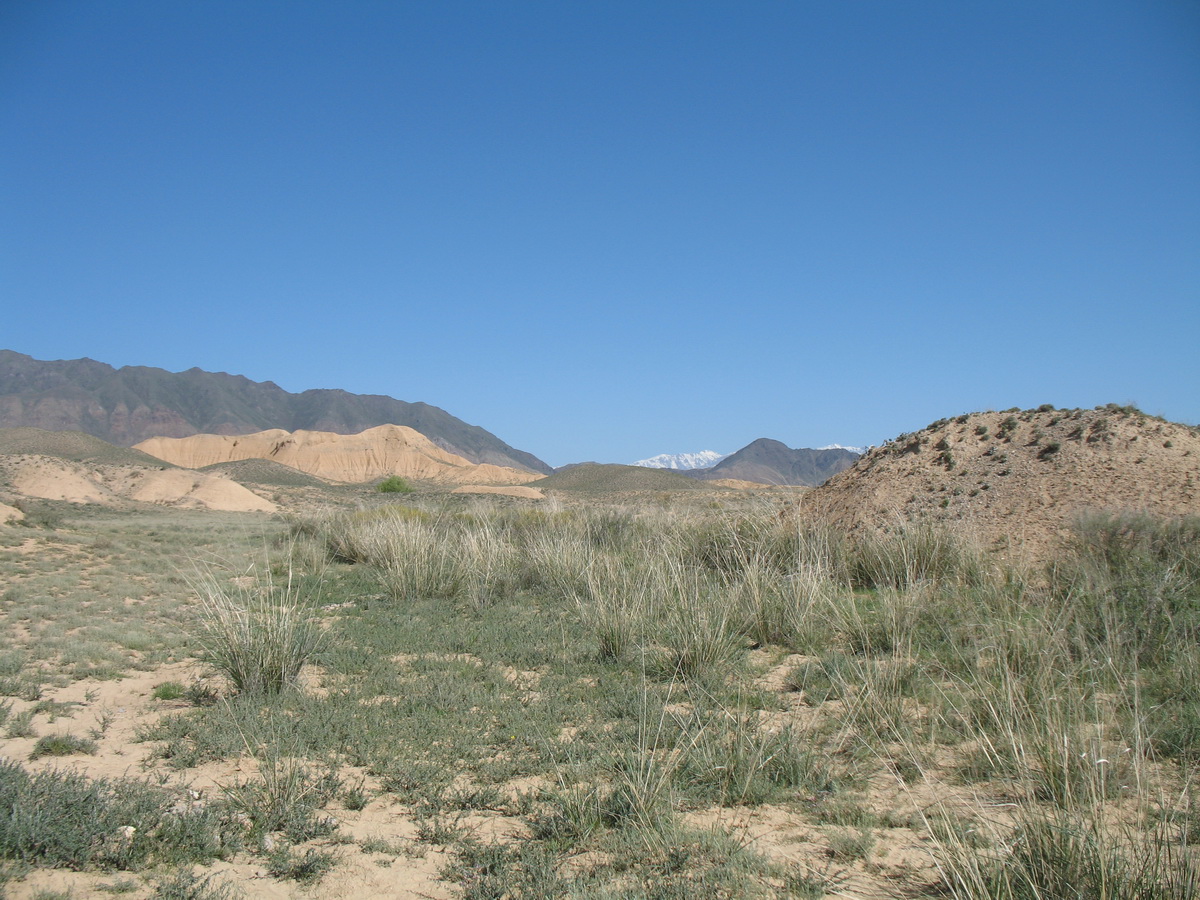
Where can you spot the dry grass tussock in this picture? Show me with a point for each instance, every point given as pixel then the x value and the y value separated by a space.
pixel 258 628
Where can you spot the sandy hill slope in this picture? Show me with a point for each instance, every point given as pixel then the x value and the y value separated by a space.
pixel 264 473
pixel 371 454
pixel 1020 475
pixel 771 462
pixel 604 477
pixel 72 445
pixel 81 468
pixel 55 478
pixel 133 403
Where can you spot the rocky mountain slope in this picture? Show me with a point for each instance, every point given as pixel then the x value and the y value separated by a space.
pixel 1019 476
pixel 771 462
pixel 128 405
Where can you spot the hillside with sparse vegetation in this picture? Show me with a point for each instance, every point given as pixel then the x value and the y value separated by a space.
pixel 1019 477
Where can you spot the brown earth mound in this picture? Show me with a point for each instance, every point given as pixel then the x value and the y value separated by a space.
pixel 371 454
pixel 1019 475
pixel 51 478
pixel 10 514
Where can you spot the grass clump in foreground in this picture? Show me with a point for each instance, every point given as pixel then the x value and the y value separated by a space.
pixel 62 745
pixel 258 629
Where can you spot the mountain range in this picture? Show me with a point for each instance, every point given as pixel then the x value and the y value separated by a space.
pixel 702 460
pixel 771 462
pixel 132 404
pixel 763 461
pixel 128 405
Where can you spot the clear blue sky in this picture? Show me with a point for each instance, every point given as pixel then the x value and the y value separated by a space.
pixel 606 230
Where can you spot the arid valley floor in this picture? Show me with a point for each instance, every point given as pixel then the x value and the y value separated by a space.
pixel 634 693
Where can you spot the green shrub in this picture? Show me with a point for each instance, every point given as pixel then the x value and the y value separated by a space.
pixel 184 885
pixel 168 690
pixel 305 868
pixel 394 484
pixel 62 745
pixel 63 818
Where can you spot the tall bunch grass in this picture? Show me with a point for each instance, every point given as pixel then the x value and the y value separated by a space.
pixel 697 628
pixel 909 554
pixel 257 629
pixel 1069 856
pixel 1132 583
pixel 616 601
pixel 791 609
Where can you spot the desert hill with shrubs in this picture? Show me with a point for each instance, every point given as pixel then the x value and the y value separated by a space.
pixel 375 453
pixel 265 473
pixel 1019 475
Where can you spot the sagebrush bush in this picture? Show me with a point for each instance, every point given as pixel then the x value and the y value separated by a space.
pixel 62 745
pixel 394 484
pixel 64 818
pixel 285 797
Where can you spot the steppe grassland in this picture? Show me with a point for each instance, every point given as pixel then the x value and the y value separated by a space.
pixel 655 699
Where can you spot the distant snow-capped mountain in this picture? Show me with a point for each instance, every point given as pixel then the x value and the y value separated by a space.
pixel 701 460
pixel 843 447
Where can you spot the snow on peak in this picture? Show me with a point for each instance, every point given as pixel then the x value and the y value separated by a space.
pixel 843 447
pixel 701 460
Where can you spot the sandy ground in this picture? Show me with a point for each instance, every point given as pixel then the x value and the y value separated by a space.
pixel 784 834
pixel 123 706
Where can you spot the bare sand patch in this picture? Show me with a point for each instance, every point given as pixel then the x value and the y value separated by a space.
pixel 54 479
pixel 177 487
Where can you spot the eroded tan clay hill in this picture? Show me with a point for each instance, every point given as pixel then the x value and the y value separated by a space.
pixel 1019 475
pixel 53 478
pixel 375 453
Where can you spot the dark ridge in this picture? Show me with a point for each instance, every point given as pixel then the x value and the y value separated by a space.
pixel 128 405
